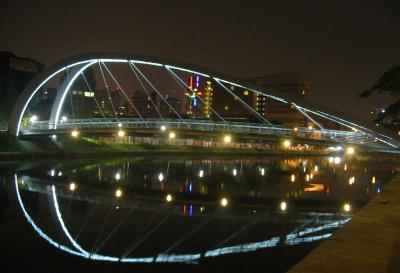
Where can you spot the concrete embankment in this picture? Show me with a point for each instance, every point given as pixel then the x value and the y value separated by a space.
pixel 369 243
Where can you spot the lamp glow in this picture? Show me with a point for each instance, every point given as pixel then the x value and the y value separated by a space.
pixel 227 138
pixel 163 128
pixel 171 135
pixel 224 202
pixel 74 133
pixel 283 206
pixel 347 207
pixel 286 143
pixel 350 150
pixel 118 193
pixel 33 118
pixel 72 186
pixel 168 198
pixel 121 133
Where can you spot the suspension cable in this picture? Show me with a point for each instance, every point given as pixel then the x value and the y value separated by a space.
pixel 108 91
pixel 94 95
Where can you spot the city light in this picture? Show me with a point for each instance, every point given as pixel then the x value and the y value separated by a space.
pixel 373 180
pixel 347 207
pixel 337 160
pixel 283 206
pixel 224 202
pixel 292 178
pixel 171 135
pixel 316 168
pixel 227 138
pixel 118 193
pixel 286 143
pixel 117 176
pixel 54 137
pixel 64 119
pixel 168 198
pixel 121 133
pixel 72 186
pixel 33 118
pixel 52 172
pixel 307 177
pixel 262 171
pixel 160 177
pixel 234 172
pixel 350 150
pixel 295 129
pixel 201 173
pixel 352 180
pixel 163 128
pixel 74 133
pixel 119 125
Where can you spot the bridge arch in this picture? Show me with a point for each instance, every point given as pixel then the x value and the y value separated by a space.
pixel 364 133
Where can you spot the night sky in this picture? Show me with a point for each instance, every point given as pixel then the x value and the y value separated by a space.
pixel 343 46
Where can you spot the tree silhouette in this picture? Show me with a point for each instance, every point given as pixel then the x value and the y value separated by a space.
pixel 388 83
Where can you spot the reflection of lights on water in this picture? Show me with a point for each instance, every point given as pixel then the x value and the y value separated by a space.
pixel 234 172
pixel 311 175
pixel 118 176
pixel 160 177
pixel 292 178
pixel 118 193
pixel 201 173
pixel 60 173
pixel 262 171
pixel 117 207
pixel 316 168
pixel 352 180
pixel 224 202
pixel 52 172
pixel 337 160
pixel 168 198
pixel 378 190
pixel 345 167
pixel 331 159
pixel 283 206
pixel 373 180
pixel 347 207
pixel 72 186
pixel 314 187
pixel 307 177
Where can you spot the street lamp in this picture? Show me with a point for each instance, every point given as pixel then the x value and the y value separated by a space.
pixel 286 143
pixel 227 138
pixel 163 128
pixel 171 135
pixel 224 202
pixel 121 133
pixel 74 133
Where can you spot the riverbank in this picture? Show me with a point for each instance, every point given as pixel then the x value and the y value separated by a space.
pixel 14 149
pixel 369 243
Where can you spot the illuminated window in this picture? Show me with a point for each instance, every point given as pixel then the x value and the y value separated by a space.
pixel 246 92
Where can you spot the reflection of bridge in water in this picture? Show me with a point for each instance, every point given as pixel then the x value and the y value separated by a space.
pixel 310 227
pixel 62 112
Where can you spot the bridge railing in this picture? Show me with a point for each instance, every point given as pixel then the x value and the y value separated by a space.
pixel 202 125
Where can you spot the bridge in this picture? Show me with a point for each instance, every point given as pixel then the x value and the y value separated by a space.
pixel 57 93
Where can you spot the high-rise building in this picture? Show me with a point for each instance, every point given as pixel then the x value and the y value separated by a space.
pixel 293 84
pixel 15 74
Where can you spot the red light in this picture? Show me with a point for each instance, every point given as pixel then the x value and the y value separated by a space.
pixel 191 82
pixel 199 93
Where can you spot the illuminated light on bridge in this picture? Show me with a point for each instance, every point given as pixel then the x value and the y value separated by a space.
pixel 33 118
pixel 224 202
pixel 72 186
pixel 168 198
pixel 172 135
pixel 286 143
pixel 283 206
pixel 366 137
pixel 227 138
pixel 121 133
pixel 75 133
pixel 347 207
pixel 350 151
pixel 163 128
pixel 118 193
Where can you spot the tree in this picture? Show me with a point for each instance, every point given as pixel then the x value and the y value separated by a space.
pixel 388 83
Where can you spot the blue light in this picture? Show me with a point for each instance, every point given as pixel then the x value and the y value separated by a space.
pixel 197 81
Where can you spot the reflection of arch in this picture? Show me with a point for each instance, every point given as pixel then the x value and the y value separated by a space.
pixel 77 64
pixel 294 238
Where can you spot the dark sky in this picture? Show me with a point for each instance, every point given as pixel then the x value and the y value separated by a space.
pixel 344 46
